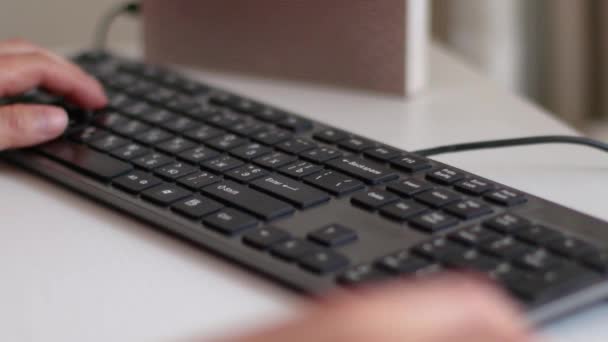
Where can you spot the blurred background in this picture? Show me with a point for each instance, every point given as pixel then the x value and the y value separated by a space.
pixel 554 52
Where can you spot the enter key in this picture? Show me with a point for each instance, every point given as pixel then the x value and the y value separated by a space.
pixel 290 190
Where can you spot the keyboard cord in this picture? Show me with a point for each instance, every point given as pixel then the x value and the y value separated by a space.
pixel 548 139
pixel 132 8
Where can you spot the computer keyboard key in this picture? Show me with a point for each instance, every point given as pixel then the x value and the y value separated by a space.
pixel 410 163
pixel 83 158
pixel 275 160
pixel 226 142
pixel 331 136
pixel 438 249
pixel 321 155
pixel 136 182
pixel 468 209
pixel 382 153
pixel 246 173
pixel 507 223
pixel 402 210
pixel 294 249
pixel 181 124
pixel 474 236
pixel 265 238
pixel 222 164
pixel 333 235
pixel 198 180
pixel 361 275
pixel 506 197
pixel 131 151
pixel 195 207
pixel 537 234
pixel 109 120
pixel 470 259
pixel 202 111
pixel 251 151
pixel 109 143
pixel 356 144
pixel 248 127
pixel 300 169
pixel 569 246
pixel 158 116
pixel 445 176
pixel 225 119
pixel 596 260
pixel 269 114
pixel 402 262
pixel 474 186
pixel 198 154
pixel 175 170
pixel 368 171
pixel 153 136
pixel 272 136
pixel 297 146
pixel 437 198
pixel 433 221
pixel 88 134
pixel 538 260
pixel 131 128
pixel 335 182
pixel 204 133
pixel 295 124
pixel 374 199
pixel 507 248
pixel 230 222
pixel 152 161
pixel 243 105
pixel 292 191
pixel 176 145
pixel 137 109
pixel 249 200
pixel 324 262
pixel 165 194
pixel 409 187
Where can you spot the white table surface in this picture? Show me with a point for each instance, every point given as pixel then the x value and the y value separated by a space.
pixel 75 271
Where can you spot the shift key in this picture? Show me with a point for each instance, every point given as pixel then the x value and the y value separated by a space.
pixel 250 200
pixel 297 193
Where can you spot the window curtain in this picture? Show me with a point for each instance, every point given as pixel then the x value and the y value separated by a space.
pixel 553 51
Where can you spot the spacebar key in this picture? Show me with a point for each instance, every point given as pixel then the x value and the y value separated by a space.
pixel 250 200
pixel 85 159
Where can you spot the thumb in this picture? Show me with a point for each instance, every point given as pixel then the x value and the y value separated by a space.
pixel 27 125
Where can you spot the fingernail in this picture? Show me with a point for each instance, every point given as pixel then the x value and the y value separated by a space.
pixel 51 123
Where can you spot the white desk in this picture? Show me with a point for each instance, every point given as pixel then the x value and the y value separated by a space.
pixel 75 271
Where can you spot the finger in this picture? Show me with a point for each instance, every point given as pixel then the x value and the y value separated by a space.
pixel 22 72
pixel 27 125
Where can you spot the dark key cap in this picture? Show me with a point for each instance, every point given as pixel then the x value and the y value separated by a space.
pixel 275 160
pixel 324 261
pixel 410 163
pixel 474 236
pixel 470 260
pixel 109 143
pixel 536 234
pixel 333 235
pixel 198 180
pixel 204 133
pixel 272 136
pixel 226 142
pixel 246 173
pixel 110 120
pixel 243 105
pixel 382 153
pixel 468 209
pixel 409 187
pixel 506 197
pixel 152 161
pixel 131 151
pixel 474 186
pixel 195 207
pixel 265 238
pixel 251 151
pixel 269 114
pixel 249 200
pixel 569 246
pixel 136 182
pixel 538 260
pixel 374 199
pixel 225 119
pixel 293 249
pixel 321 155
pixel 202 111
pixel 175 170
pixel 433 221
pixel 506 248
pixel 597 260
pixel 176 145
pixel 437 198
pixel 445 176
pixel 403 210
pixel 181 124
pixel 198 154
pixel 438 248
pixel 362 275
pixel 222 164
pixel 85 159
pixel 230 221
pixel 356 144
pixel 158 116
pixel 131 128
pixel 506 223
pixel 370 172
pixel 297 146
pixel 137 109
pixel 165 194
pixel 295 124
pixel 402 262
pixel 334 182
pixel 330 136
pixel 248 127
pixel 154 136
pixel 89 134
pixel 300 169
pixel 294 192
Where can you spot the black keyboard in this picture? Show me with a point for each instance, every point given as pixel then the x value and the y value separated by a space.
pixel 312 206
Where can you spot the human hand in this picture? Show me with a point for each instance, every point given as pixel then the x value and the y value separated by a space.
pixel 24 66
pixel 449 308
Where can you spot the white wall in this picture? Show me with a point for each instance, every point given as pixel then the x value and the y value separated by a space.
pixel 60 23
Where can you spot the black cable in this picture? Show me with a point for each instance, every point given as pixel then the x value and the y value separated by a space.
pixel 103 28
pixel 548 139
